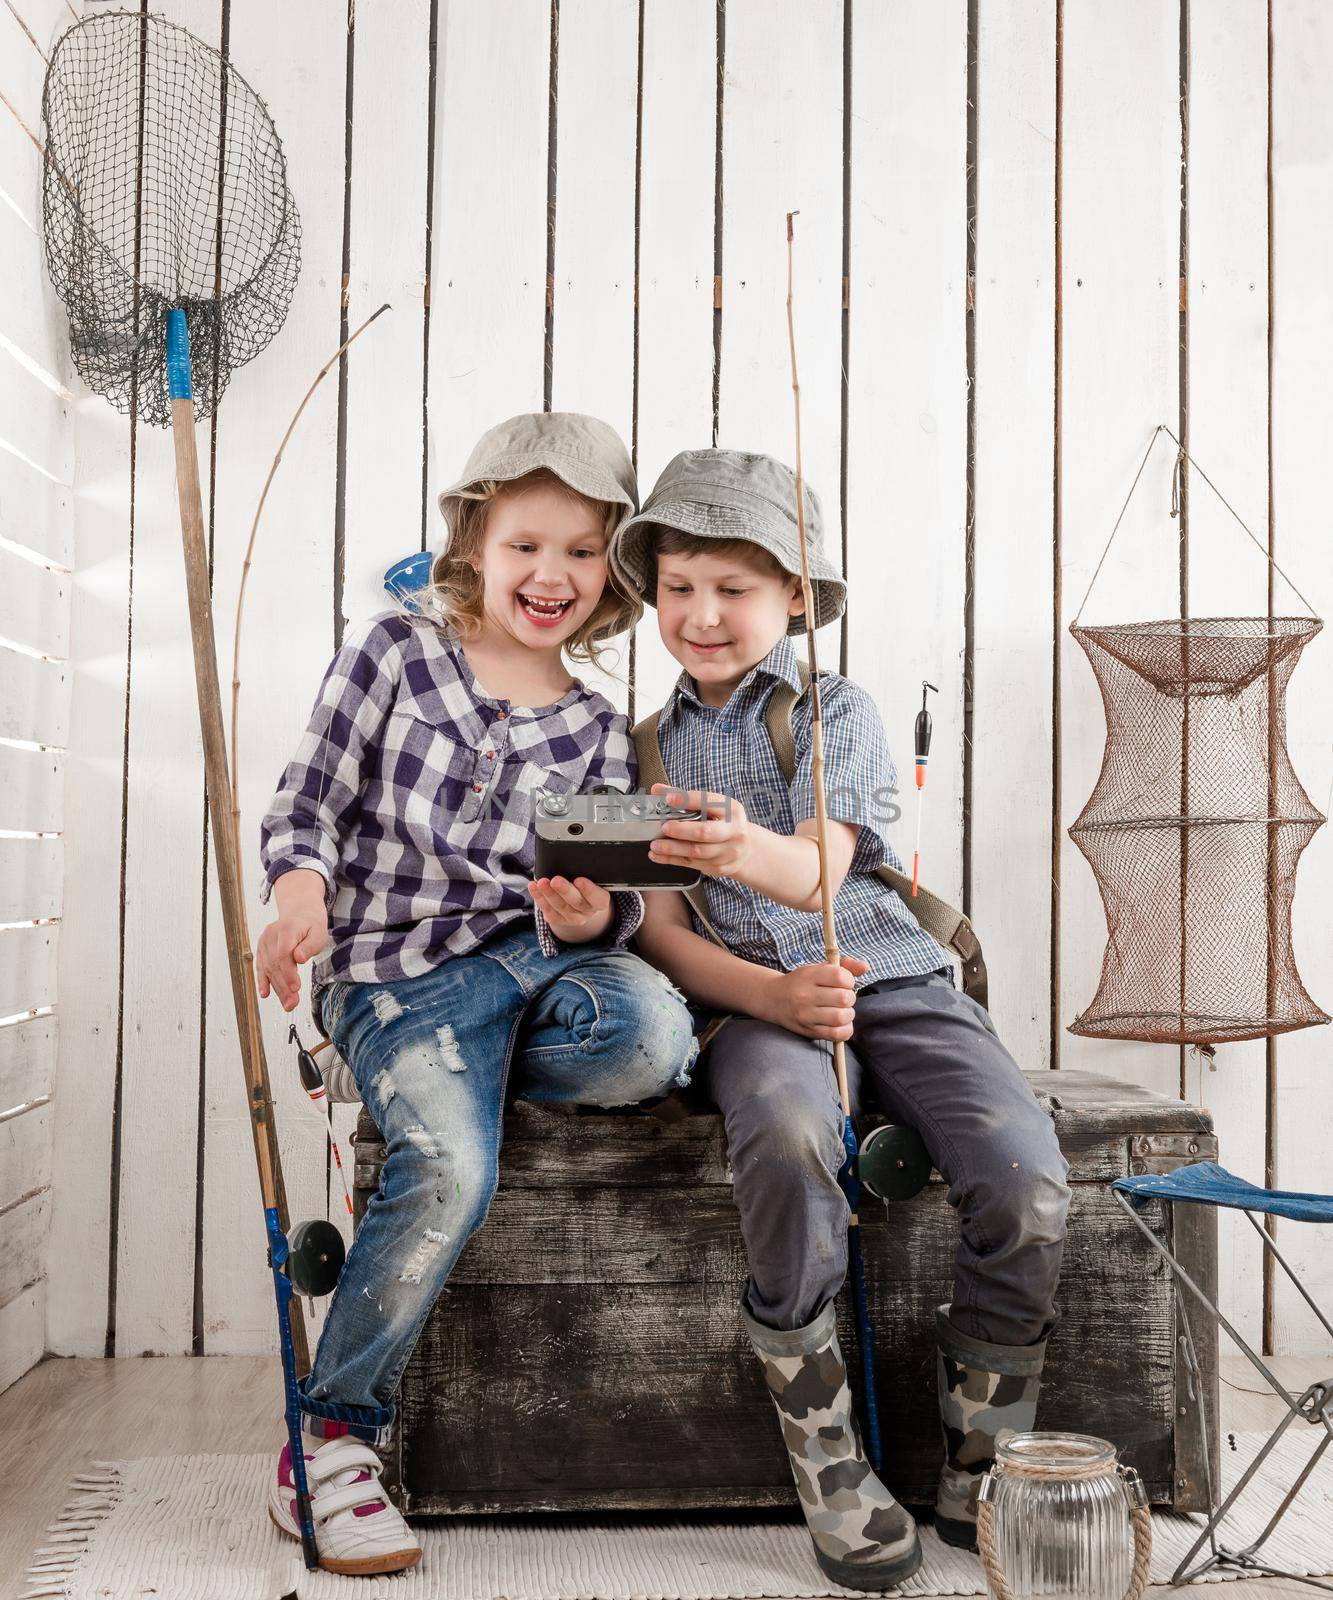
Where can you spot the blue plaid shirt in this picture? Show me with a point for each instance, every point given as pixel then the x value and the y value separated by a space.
pixel 729 752
pixel 412 794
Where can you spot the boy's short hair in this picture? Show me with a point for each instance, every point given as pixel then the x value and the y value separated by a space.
pixel 455 588
pixel 664 541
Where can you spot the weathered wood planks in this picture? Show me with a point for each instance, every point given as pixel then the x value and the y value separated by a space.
pixel 587 1352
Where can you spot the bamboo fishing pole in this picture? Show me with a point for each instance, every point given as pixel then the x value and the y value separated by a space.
pixel 259 1093
pixel 848 1179
pixel 831 953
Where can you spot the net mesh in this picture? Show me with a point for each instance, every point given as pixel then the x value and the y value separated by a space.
pixel 165 187
pixel 1194 830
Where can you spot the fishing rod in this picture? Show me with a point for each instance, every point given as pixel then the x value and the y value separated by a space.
pixel 847 1177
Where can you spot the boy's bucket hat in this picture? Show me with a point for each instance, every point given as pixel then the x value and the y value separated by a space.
pixel 731 494
pixel 583 452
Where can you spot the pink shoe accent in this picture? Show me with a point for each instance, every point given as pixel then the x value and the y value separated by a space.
pixel 371 1510
pixel 287 1479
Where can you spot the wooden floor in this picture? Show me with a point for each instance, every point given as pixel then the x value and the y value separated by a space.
pixel 64 1414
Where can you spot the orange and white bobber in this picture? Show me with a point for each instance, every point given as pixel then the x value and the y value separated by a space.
pixel 922 758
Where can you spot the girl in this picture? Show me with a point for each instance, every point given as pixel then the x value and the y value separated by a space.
pixel 401 838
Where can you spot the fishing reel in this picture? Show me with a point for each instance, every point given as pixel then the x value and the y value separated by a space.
pixel 315 1257
pixel 892 1162
pixel 315 1249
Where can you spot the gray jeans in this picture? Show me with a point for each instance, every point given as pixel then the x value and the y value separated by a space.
pixel 927 1055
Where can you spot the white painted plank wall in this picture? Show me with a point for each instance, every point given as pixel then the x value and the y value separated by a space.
pixel 781 152
pixel 1016 630
pixel 299 56
pixel 36 468
pixel 676 253
pixel 1302 445
pixel 167 1016
pixel 385 508
pixel 592 349
pixel 1228 435
pixel 1119 306
pixel 385 424
pixel 907 407
pixel 488 288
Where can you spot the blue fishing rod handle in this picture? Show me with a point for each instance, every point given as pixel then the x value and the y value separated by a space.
pixel 865 1340
pixel 851 1187
pixel 179 386
pixel 282 1288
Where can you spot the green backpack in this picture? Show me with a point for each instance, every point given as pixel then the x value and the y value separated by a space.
pixel 942 921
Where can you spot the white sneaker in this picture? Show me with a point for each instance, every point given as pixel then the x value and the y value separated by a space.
pixel 358 1529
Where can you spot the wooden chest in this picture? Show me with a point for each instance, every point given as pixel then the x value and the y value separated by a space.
pixel 587 1353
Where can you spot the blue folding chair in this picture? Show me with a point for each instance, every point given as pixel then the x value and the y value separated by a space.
pixel 1207 1184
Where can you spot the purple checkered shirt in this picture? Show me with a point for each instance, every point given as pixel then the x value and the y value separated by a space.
pixel 412 794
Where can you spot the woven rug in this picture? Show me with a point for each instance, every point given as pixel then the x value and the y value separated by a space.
pixel 195 1528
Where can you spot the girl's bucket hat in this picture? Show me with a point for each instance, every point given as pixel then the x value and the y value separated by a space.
pixel 583 452
pixel 730 494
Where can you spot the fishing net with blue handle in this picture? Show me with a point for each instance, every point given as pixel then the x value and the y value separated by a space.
pixel 165 188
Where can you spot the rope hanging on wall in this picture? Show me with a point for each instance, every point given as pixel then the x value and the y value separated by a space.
pixel 164 188
pixel 1196 825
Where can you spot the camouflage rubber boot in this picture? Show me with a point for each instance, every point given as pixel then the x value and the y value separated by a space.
pixel 984 1389
pixel 863 1538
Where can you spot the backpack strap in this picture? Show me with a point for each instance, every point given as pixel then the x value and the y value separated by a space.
pixel 652 769
pixel 945 923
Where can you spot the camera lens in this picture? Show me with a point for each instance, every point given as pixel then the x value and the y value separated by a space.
pixel 576 827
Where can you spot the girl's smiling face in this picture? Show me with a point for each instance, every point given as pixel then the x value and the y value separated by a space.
pixel 542 565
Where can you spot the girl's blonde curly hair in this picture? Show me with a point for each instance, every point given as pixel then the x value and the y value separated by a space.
pixel 455 588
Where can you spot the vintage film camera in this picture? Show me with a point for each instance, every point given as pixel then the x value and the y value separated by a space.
pixel 604 835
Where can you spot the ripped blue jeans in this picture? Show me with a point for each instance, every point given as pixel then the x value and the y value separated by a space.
pixel 431 1055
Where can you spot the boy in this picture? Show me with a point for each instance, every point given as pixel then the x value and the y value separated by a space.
pixel 716 550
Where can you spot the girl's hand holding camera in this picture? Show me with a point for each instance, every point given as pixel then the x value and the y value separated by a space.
pixel 299 933
pixel 719 847
pixel 577 911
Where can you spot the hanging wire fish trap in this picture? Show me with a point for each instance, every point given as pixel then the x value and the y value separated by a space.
pixel 1195 828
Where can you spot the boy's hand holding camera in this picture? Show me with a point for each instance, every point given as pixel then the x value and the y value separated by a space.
pixel 784 867
pixel 721 846
pixel 816 1001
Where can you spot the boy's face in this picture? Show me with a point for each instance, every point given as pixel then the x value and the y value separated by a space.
pixel 721 615
pixel 543 565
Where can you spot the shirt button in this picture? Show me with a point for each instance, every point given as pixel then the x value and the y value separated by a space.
pixel 476 788
pixel 501 715
pixel 490 755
